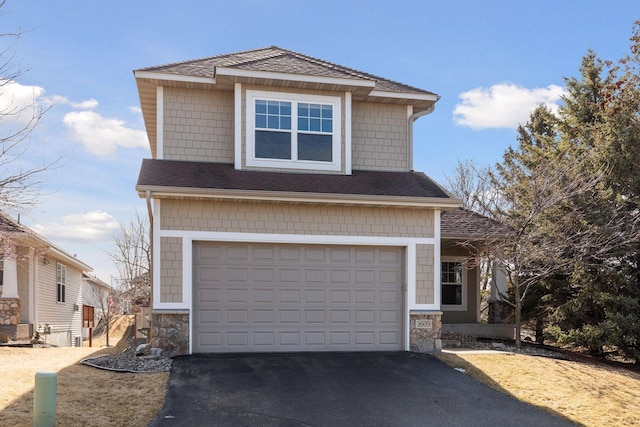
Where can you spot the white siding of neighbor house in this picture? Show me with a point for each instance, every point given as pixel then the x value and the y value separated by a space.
pixel 65 321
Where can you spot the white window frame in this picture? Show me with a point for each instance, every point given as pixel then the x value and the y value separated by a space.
pixel 61 284
pixel 334 101
pixel 456 307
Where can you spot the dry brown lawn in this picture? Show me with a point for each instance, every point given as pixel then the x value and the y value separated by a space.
pixel 585 393
pixel 86 396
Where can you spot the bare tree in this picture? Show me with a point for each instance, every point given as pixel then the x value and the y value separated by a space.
pixel 470 184
pixel 20 183
pixel 132 258
pixel 530 248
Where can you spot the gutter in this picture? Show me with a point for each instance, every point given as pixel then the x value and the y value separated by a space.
pixel 293 197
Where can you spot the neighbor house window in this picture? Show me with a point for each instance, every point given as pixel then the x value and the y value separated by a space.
pixel 293 131
pixel 452 281
pixel 61 279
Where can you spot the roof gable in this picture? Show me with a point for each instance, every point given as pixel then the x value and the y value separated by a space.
pixel 278 60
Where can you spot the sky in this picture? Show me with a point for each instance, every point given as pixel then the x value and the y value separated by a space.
pixel 491 62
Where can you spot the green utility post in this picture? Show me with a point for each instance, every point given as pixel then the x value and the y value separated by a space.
pixel 44 399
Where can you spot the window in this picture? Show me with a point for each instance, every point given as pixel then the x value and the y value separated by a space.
pixel 293 131
pixel 61 279
pixel 452 280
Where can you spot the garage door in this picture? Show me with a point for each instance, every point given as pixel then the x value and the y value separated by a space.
pixel 262 297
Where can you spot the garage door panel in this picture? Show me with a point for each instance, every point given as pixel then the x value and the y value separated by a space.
pixel 257 297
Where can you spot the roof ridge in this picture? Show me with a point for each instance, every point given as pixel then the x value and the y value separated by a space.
pixel 207 58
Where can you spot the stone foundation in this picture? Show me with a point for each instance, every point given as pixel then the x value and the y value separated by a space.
pixel 9 311
pixel 424 331
pixel 170 332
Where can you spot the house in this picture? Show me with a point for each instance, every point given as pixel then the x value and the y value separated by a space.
pixel 95 300
pixel 40 287
pixel 286 213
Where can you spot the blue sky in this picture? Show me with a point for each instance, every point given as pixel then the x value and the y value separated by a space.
pixel 490 61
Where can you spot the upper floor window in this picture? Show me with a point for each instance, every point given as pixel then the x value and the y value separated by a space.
pixel 61 280
pixel 293 131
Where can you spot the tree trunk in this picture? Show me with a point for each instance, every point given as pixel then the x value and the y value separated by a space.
pixel 518 316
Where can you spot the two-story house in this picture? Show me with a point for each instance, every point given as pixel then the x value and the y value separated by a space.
pixel 286 214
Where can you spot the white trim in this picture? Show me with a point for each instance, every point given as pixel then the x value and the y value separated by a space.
pixel 156 255
pixel 10 277
pixel 410 137
pixel 316 239
pixel 188 237
pixel 404 95
pixel 316 198
pixel 347 133
pixel 251 160
pixel 437 256
pixel 173 77
pixel 270 75
pixel 159 122
pixel 237 125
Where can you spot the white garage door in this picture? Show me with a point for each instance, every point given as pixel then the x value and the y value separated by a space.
pixel 263 297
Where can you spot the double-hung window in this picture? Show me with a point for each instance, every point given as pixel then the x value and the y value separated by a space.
pixel 61 279
pixel 453 287
pixel 293 131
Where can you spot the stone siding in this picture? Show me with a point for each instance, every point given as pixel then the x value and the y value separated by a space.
pixel 425 331
pixel 9 311
pixel 170 333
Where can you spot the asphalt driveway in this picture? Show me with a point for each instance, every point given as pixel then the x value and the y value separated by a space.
pixel 335 389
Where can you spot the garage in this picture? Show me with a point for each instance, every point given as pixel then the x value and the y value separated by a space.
pixel 283 297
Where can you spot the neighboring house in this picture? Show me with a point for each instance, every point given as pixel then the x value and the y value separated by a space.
pixel 285 211
pixel 95 300
pixel 40 288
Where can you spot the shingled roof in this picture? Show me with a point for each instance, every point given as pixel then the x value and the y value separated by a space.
pixel 462 223
pixel 172 174
pixel 9 225
pixel 278 60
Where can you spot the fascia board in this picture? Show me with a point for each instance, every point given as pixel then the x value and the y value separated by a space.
pixel 404 95
pixel 293 197
pixel 173 77
pixel 235 72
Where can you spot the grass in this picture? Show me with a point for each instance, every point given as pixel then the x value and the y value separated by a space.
pixel 585 393
pixel 85 396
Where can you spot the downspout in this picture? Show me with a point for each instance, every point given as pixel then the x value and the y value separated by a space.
pixel 151 248
pixel 410 121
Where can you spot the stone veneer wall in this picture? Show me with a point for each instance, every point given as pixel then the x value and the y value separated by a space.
pixel 9 319
pixel 424 332
pixel 9 311
pixel 170 332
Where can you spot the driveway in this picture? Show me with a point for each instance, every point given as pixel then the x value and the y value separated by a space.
pixel 335 389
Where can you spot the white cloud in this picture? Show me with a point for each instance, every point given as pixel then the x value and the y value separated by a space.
pixel 91 226
pixel 85 105
pixel 19 104
pixel 503 105
pixel 101 135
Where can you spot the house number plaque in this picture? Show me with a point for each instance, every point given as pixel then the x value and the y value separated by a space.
pixel 424 323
